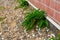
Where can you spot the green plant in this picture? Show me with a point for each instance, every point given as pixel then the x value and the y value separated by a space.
pixel 22 4
pixel 2 7
pixel 58 36
pixel 52 39
pixel 1 19
pixel 36 17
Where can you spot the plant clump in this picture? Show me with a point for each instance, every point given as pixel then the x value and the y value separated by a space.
pixel 1 19
pixel 2 7
pixel 22 4
pixel 36 17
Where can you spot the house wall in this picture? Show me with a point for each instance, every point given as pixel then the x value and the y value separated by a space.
pixel 52 7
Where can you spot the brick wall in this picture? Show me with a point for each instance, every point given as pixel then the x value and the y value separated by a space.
pixel 52 7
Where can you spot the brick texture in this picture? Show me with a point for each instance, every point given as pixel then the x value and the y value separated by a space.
pixel 52 7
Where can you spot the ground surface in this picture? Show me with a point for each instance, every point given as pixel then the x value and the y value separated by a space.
pixel 10 27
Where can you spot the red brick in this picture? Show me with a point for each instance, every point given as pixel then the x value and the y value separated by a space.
pixel 38 4
pixel 58 0
pixel 34 3
pixel 57 7
pixel 57 16
pixel 46 2
pixel 41 6
pixel 40 0
pixel 50 12
pixel 54 19
pixel 52 4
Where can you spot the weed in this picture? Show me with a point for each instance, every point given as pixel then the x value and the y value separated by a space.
pixel 35 17
pixel 1 7
pixel 22 4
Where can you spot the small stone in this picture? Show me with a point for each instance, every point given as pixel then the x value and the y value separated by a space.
pixel 40 38
pixel 53 35
pixel 37 26
pixel 37 38
pixel 20 15
pixel 21 37
pixel 28 35
pixel 25 11
pixel 44 39
pixel 36 35
pixel 20 22
pixel 33 35
pixel 48 35
pixel 2 38
pixel 32 31
pixel 39 33
pixel 0 33
pixel 25 31
pixel 47 30
pixel 39 29
pixel 5 27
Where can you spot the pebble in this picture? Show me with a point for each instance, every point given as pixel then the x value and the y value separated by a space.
pixel 20 15
pixel 2 38
pixel 0 33
pixel 33 35
pixel 37 38
pixel 48 35
pixel 53 35
pixel 47 30
pixel 39 33
pixel 23 17
pixel 25 31
pixel 21 37
pixel 28 35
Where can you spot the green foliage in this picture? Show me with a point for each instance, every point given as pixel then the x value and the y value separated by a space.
pixel 20 1
pixel 58 36
pixel 52 39
pixel 35 17
pixel 1 7
pixel 1 19
pixel 22 4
